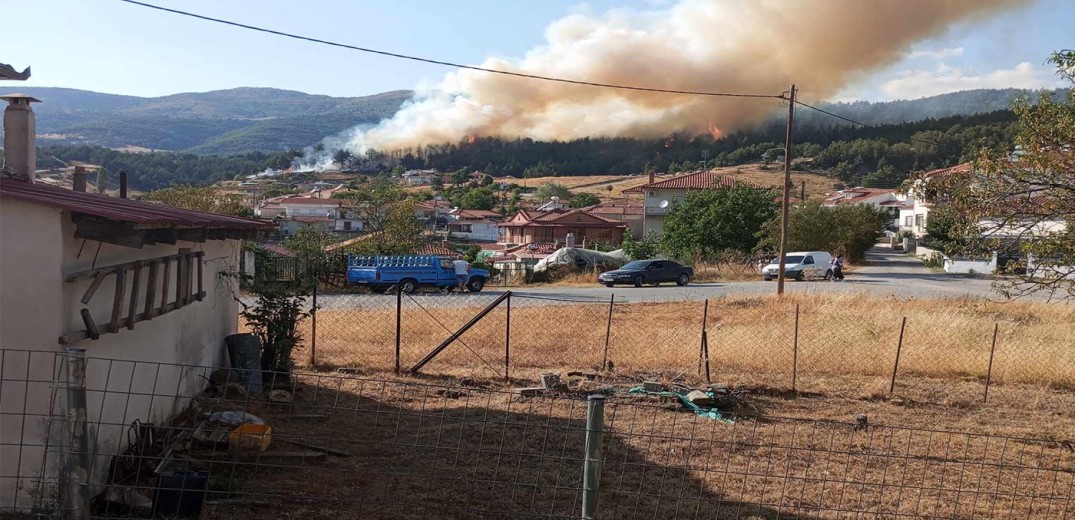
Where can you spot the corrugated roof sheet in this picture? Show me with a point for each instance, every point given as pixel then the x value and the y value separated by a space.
pixel 694 181
pixel 141 214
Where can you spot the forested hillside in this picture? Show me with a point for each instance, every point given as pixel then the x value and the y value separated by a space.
pixel 245 120
pixel 881 156
pixel 221 122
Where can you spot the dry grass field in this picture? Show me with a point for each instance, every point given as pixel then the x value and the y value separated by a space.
pixel 817 186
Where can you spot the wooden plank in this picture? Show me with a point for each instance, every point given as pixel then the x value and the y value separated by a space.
pixel 167 285
pixel 117 301
pixel 192 235
pixel 97 279
pixel 77 336
pixel 108 269
pixel 151 289
pixel 91 327
pixel 132 309
pixel 199 258
pixel 315 447
pixel 132 239
pixel 182 292
pixel 164 236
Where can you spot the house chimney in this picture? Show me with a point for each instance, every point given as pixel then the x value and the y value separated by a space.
pixel 78 179
pixel 651 176
pixel 20 135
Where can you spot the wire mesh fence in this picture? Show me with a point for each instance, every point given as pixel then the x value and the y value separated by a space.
pixel 798 344
pixel 163 440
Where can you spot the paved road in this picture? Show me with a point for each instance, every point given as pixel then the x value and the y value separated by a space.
pixel 887 274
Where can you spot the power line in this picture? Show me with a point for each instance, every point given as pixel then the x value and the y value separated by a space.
pixel 852 121
pixel 448 63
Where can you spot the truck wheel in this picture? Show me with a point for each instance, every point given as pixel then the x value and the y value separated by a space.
pixel 683 280
pixel 638 281
pixel 408 286
pixel 475 285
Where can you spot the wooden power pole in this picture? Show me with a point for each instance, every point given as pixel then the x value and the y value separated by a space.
pixel 787 193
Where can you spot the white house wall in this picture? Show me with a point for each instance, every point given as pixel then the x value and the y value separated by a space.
pixel 133 374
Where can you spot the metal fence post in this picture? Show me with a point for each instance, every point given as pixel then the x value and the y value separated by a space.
pixel 591 472
pixel 399 324
pixel 507 340
pixel 896 365
pixel 313 327
pixel 704 353
pixel 989 371
pixel 78 461
pixel 795 352
pixel 608 331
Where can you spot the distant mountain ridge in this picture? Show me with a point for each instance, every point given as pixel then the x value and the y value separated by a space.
pixel 218 122
pixel 247 119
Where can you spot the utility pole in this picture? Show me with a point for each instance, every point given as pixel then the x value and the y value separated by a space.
pixel 787 190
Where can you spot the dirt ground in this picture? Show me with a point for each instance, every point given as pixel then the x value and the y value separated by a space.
pixel 430 447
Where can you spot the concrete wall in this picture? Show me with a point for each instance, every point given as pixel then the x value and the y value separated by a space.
pixel 971 266
pixel 133 374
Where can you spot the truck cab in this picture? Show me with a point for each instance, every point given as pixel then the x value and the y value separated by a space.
pixel 409 272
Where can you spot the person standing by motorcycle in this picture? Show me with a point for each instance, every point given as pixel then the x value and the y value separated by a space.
pixel 838 268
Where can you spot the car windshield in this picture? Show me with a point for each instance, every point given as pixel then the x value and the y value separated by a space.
pixel 637 264
pixel 791 259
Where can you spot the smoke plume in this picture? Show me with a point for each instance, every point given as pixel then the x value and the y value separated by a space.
pixel 746 46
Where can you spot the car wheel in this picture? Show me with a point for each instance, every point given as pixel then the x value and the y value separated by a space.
pixel 683 280
pixel 828 274
pixel 800 276
pixel 638 281
pixel 408 286
pixel 610 284
pixel 767 279
pixel 475 285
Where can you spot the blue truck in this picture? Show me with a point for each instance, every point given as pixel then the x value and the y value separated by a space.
pixel 409 272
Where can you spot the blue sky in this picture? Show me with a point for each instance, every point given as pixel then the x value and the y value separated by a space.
pixel 109 46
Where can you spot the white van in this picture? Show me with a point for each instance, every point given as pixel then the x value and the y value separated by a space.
pixel 801 266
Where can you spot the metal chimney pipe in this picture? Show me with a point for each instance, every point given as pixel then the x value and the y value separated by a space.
pixel 20 137
pixel 78 179
pixel 123 184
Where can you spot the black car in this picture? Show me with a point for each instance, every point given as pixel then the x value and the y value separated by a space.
pixel 652 272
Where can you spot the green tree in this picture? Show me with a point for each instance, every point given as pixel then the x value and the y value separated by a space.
pixel 487 180
pixel 437 184
pixel 209 199
pixel 476 198
pixel 461 176
pixel 710 221
pixel 851 229
pixel 551 189
pixel 584 199
pixel 641 249
pixel 1025 197
pixel 398 171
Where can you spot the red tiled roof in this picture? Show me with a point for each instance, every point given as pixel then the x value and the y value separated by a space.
pixel 526 251
pixel 436 250
pixel 857 195
pixel 616 208
pixel 959 168
pixel 278 249
pixel 140 213
pixel 310 219
pixel 308 200
pixel 560 218
pixel 694 181
pixel 477 214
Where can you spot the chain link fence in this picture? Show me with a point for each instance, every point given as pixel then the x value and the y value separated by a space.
pixel 330 445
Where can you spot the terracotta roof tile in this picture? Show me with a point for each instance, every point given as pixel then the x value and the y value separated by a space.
pixel 140 213
pixel 694 181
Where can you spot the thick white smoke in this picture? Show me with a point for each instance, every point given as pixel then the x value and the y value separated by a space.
pixel 747 46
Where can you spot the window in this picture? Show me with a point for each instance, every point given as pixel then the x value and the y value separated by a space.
pixel 347 225
pixel 657 265
pixel 908 221
pixel 919 220
pixel 809 260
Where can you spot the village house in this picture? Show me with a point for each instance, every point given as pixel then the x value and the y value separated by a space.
pixel 889 201
pixel 659 197
pixel 550 227
pixel 419 177
pixel 474 224
pixel 295 211
pixel 121 281
pixel 628 211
